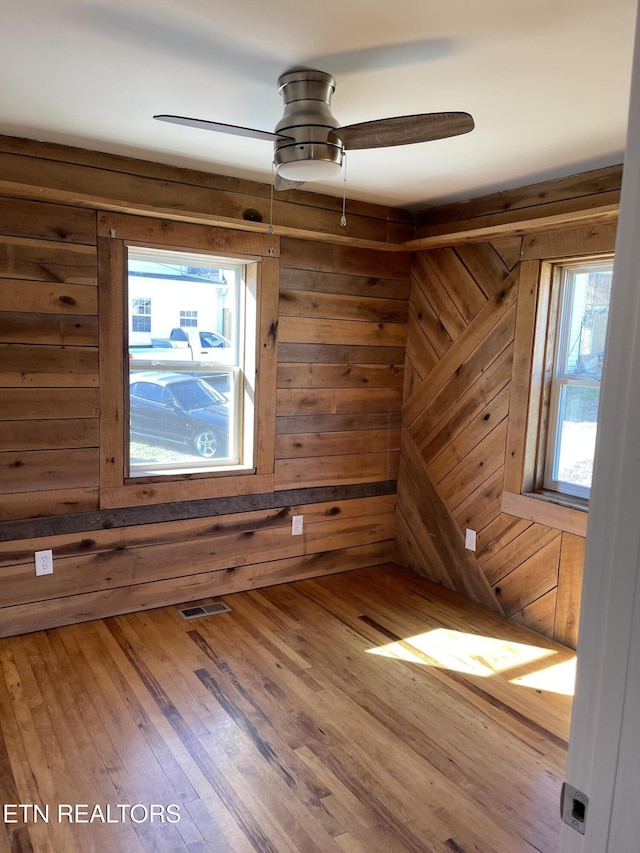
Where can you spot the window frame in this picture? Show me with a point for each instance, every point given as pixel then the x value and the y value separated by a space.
pixel 242 368
pixel 523 493
pixel 564 273
pixel 141 315
pixel 262 253
pixel 188 322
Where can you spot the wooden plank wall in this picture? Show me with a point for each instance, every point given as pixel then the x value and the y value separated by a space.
pixel 48 359
pixel 460 371
pixel 342 335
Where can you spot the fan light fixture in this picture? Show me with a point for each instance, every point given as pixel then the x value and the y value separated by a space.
pixel 309 170
pixel 311 161
pixel 308 142
pixel 306 150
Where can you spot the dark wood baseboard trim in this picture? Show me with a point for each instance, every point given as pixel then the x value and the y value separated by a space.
pixel 180 511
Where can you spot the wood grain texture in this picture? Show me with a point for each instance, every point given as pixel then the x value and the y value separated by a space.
pixel 266 361
pixel 339 376
pixel 341 307
pixel 531 579
pixel 353 468
pixel 312 256
pixel 328 501
pixel 50 444
pixel 337 401
pixel 66 154
pixel 47 503
pixel 100 183
pixel 540 614
pixel 35 470
pixel 26 328
pixel 590 198
pixel 78 541
pixel 567 242
pixel 46 260
pixel 335 282
pixel 545 511
pixel 47 297
pixel 297 746
pixel 523 361
pixel 41 366
pixel 48 434
pixel 468 402
pixel 54 222
pixel 240 543
pixel 339 354
pixel 567 614
pixel 342 332
pixel 55 612
pixel 425 316
pixel 46 403
pixel 298 445
pixel 440 524
pixel 580 186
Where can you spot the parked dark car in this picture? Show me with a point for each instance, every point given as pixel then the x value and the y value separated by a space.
pixel 181 409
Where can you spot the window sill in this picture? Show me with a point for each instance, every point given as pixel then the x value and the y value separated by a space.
pixel 567 514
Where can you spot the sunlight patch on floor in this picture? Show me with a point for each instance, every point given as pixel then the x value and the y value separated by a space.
pixel 558 678
pixel 473 654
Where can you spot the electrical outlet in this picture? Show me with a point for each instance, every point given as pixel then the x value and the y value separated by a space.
pixel 296 525
pixel 470 539
pixel 44 562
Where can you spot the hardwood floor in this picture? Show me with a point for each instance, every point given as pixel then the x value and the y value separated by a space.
pixel 366 711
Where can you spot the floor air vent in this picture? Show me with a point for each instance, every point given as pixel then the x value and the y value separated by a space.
pixel 204 610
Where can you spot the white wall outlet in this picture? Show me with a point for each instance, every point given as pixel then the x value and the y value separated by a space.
pixel 44 562
pixel 296 525
pixel 470 539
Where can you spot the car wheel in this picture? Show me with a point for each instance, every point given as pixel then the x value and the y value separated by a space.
pixel 206 443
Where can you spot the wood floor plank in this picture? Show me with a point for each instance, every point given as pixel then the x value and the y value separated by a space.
pixel 369 711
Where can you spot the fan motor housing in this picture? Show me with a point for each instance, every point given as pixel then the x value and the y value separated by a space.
pixel 308 120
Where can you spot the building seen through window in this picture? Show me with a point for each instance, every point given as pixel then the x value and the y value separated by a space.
pixel 191 363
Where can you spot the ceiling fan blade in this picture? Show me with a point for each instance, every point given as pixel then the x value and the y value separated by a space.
pixel 223 128
pixel 280 183
pixel 404 130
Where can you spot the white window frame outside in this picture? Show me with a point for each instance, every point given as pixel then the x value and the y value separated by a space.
pixel 188 320
pixel 142 314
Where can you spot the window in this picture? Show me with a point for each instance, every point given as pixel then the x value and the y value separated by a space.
pixel 584 294
pixel 568 355
pixel 231 279
pixel 140 315
pixel 189 319
pixel 191 386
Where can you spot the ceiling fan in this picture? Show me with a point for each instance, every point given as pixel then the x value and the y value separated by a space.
pixel 309 145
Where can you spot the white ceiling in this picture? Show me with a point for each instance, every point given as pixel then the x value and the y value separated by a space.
pixel 547 82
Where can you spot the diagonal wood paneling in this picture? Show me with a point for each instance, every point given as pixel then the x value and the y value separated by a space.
pixel 455 427
pixel 427 515
pixel 531 579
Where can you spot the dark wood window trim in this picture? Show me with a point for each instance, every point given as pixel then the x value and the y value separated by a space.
pixel 115 230
pixel 523 494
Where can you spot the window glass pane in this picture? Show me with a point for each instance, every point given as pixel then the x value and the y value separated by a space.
pixel 187 384
pixel 585 324
pixel 141 315
pixel 577 426
pixel 183 420
pixel 189 319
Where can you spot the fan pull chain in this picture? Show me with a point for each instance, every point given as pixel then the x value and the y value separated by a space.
pixel 270 228
pixel 343 219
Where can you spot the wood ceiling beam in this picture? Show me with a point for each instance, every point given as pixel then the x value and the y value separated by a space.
pixel 83 178
pixel 583 199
